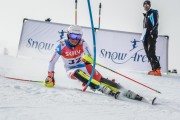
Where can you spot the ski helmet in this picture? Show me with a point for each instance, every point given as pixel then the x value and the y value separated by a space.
pixel 76 29
pixel 74 32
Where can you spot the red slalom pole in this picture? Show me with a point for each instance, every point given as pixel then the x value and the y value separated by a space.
pixel 99 20
pixel 90 60
pixel 12 78
pixel 76 12
pixel 129 78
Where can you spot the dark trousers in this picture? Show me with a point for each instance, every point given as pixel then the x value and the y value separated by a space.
pixel 150 50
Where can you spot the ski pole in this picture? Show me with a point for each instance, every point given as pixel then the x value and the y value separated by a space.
pixel 89 59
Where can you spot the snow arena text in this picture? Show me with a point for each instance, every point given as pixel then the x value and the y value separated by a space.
pixel 123 57
pixel 41 46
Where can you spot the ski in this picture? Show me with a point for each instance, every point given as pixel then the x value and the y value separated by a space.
pixel 119 96
pixel 150 101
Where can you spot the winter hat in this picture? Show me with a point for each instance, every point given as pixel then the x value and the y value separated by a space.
pixel 147 2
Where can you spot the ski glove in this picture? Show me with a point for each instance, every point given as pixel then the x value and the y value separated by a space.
pixel 50 82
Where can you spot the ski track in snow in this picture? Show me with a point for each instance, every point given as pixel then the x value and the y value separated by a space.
pixel 32 101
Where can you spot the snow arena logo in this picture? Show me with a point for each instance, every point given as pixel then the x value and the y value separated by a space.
pixel 41 46
pixel 134 54
pixel 62 34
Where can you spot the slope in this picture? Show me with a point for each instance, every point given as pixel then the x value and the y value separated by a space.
pixel 24 100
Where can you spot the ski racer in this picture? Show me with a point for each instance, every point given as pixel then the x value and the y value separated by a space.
pixel 74 51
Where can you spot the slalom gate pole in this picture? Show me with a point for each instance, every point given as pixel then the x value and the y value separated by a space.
pixel 99 20
pixel 128 78
pixel 94 45
pixel 19 79
pixel 75 12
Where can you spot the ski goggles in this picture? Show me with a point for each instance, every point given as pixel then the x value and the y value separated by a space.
pixel 75 36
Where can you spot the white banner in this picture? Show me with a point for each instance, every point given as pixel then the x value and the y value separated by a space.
pixel 115 49
pixel 39 39
pixel 124 50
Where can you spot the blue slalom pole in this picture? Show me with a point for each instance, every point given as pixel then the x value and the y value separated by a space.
pixel 94 45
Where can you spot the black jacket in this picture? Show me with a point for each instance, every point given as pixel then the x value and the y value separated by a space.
pixel 151 22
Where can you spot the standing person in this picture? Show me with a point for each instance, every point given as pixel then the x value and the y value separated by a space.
pixel 150 35
pixel 73 51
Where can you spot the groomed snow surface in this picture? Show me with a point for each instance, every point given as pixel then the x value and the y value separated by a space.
pixel 32 101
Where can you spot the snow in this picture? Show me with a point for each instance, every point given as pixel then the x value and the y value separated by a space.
pixel 32 101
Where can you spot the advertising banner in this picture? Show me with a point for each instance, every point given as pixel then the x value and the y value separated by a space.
pixel 115 49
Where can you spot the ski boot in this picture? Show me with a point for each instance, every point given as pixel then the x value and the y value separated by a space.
pixel 130 94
